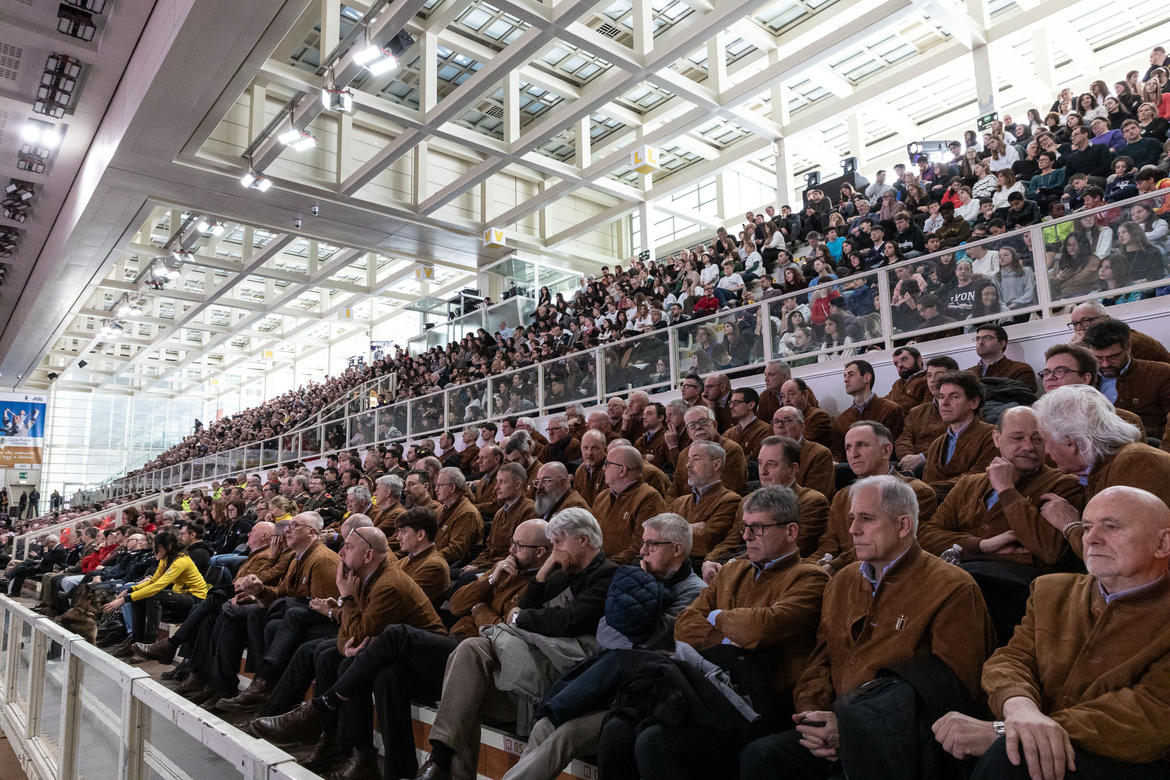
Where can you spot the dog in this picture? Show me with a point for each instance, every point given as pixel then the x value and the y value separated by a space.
pixel 81 618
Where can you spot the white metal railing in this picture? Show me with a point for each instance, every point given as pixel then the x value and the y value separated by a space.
pixel 70 711
pixel 633 363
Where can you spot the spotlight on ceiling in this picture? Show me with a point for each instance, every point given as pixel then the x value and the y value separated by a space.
pixel 205 226
pixel 375 59
pixel 42 134
pixel 297 140
pixel 255 181
pixel 336 99
pixel 812 178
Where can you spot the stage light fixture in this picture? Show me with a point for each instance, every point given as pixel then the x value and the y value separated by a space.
pixel 255 181
pixel 336 99
pixel 297 140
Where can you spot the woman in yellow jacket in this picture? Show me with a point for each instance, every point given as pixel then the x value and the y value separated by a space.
pixel 172 590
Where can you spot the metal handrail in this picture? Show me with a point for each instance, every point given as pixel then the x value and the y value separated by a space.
pixel 256 454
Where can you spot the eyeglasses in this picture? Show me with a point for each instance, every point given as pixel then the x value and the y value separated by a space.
pixel 444 484
pixel 653 545
pixel 1060 372
pixel 547 480
pixel 615 463
pixel 977 339
pixel 697 425
pixel 756 530
pixel 1085 322
pixel 354 533
pixel 518 546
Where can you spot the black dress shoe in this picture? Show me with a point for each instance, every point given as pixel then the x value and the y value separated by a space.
pixel 179 673
pixel 432 771
pixel 300 724
pixel 361 765
pixel 248 699
pixel 326 756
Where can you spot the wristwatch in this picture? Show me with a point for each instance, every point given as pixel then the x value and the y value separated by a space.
pixel 1000 728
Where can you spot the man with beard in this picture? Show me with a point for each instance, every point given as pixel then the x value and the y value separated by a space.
pixel 626 503
pixel 651 441
pixel 709 506
pixel 990 343
pixel 910 388
pixel 418 491
pixel 700 423
pixel 553 491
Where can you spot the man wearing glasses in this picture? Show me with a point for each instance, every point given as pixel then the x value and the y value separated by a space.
pixel 625 505
pixel 1069 364
pixel 460 524
pixel 709 507
pixel 700 422
pixel 1143 347
pixel 562 447
pixel 896 607
pixel 373 593
pixel 692 391
pixel 990 343
pixel 760 610
pixel 748 430
pixel 779 465
pixel 312 574
pixel 554 492
pixel 1139 386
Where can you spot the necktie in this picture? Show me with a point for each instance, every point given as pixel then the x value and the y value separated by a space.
pixel 993 499
pixel 952 440
pixel 1083 479
pixel 696 494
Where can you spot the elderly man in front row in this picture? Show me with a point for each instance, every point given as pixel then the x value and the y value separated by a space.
pixel 700 423
pixel 1085 437
pixel 1083 688
pixel 897 607
pixel 566 599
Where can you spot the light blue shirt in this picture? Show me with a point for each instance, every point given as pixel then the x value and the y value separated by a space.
pixel 875 580
pixel 1111 597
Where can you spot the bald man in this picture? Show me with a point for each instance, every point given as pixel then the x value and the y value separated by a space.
pixel 1142 347
pixel 1084 683
pixel 553 491
pixel 651 474
pixel 717 395
pixel 589 478
pixel 625 504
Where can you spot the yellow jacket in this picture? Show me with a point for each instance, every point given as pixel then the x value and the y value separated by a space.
pixel 181 575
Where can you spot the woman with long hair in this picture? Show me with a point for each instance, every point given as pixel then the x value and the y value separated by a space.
pixel 1142 260
pixel 1016 283
pixel 1116 112
pixel 1112 275
pixel 1155 227
pixel 836 339
pixel 1089 109
pixel 1006 184
pixel 1152 125
pixel 987 302
pixel 1074 271
pixel 172 590
pixel 1002 156
pixel 1152 93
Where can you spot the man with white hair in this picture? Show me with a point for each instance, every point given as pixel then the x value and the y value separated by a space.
pixel 1084 436
pixel 708 506
pixel 539 442
pixel 816 462
pixel 388 492
pixel 562 447
pixel 460 524
pixel 565 599
pixel 553 491
pixel 470 452
pixel 1081 688
pixel 896 607
pixel 312 574
pixel 632 427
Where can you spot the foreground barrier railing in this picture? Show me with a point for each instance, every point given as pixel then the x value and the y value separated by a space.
pixel 1055 273
pixel 72 711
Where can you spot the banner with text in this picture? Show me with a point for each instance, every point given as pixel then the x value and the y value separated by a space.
pixel 22 430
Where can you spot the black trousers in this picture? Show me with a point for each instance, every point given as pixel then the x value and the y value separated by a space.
pixel 1005 586
pixel 782 756
pixel 283 635
pixel 403 664
pixel 316 659
pixel 149 611
pixel 204 610
pixel 227 644
pixel 994 765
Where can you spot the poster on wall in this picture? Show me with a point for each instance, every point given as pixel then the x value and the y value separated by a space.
pixel 22 430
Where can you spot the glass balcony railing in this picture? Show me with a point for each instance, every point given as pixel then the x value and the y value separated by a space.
pixel 1116 253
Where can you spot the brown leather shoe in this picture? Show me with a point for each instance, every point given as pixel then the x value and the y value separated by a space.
pixel 304 723
pixel 248 699
pixel 179 673
pixel 193 684
pixel 202 696
pixel 325 756
pixel 361 765
pixel 162 651
pixel 432 771
pixel 123 650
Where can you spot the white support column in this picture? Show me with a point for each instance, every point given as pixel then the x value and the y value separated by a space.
pixel 1042 58
pixel 985 90
pixel 330 27
pixel 646 215
pixel 512 107
pixel 584 142
pixel 345 165
pixel 785 191
pixel 428 51
pixel 857 139
pixel 780 112
pixel 421 157
pixel 643 21
pixel 717 61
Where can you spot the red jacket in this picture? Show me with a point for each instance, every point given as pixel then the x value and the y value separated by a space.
pixel 95 559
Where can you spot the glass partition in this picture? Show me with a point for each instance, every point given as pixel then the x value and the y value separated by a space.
pixel 392 421
pixel 362 428
pixel 99 704
pixel 426 414
pixel 516 392
pixel 311 442
pixel 468 403
pixel 335 435
pixel 642 361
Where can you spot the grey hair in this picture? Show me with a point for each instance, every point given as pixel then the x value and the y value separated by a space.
pixel 707 411
pixel 1080 414
pixel 556 418
pixel 471 429
pixel 519 441
pixel 360 492
pixel 525 421
pixel 778 503
pixel 575 521
pixel 799 414
pixel 391 482
pixel 672 528
pixel 302 480
pixel 278 528
pixel 895 497
pixel 678 404
pixel 458 481
pixel 517 471
pixel 174 515
pixel 314 519
pixel 710 448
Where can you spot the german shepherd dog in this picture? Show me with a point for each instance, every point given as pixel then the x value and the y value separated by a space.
pixel 81 618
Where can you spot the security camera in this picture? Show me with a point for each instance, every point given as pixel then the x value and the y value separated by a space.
pixel 297 223
pixel 314 209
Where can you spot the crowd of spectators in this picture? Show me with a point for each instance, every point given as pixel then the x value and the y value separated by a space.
pixel 1084 151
